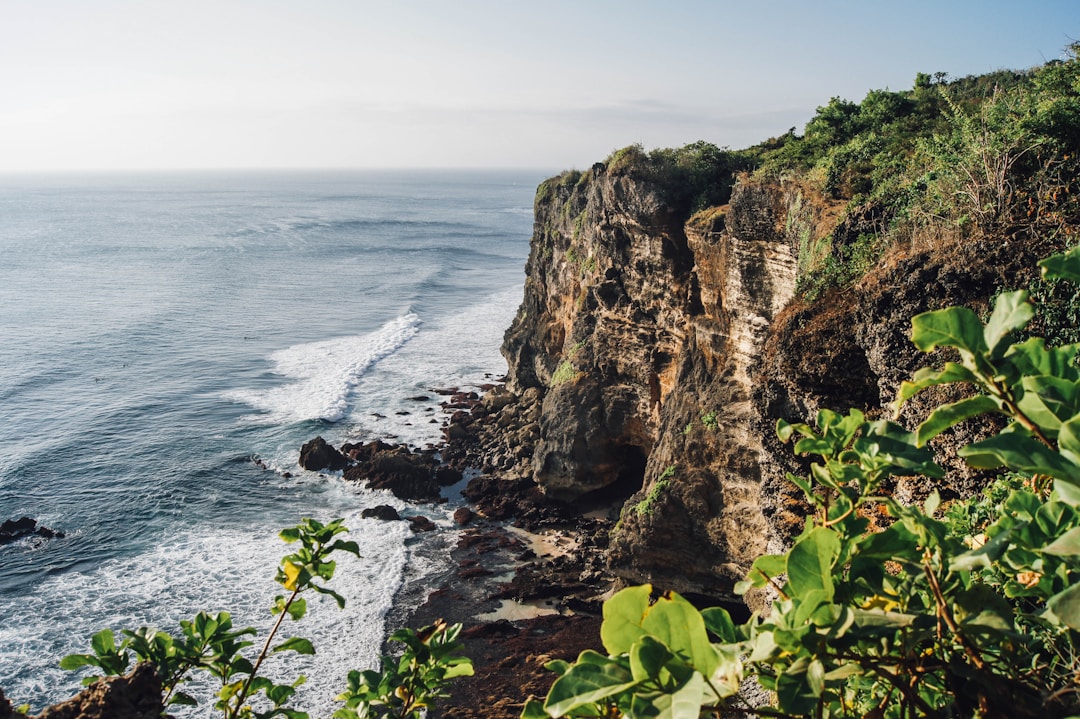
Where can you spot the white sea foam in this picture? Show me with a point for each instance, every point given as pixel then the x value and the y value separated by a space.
pixel 459 351
pixel 324 374
pixel 211 569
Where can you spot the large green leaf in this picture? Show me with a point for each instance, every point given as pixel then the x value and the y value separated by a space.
pixel 1067 545
pixel 684 702
pixel 1021 453
pixel 810 562
pixel 296 644
pixel 956 327
pixel 794 690
pixel 891 443
pixel 948 415
pixel 877 618
pixel 647 658
pixel 1062 267
pixel 585 684
pixel 1066 606
pixel 623 615
pixel 1069 443
pixel 1012 312
pixel 718 622
pixel 679 625
pixel 1049 401
pixel 1033 357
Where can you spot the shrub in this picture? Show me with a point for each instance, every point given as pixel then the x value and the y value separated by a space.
pixel 974 616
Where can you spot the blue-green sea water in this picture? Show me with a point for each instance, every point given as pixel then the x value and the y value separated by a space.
pixel 167 343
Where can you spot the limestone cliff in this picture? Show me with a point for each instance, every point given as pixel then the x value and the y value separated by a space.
pixel 652 356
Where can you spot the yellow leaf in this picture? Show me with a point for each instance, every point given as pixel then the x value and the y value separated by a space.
pixel 879 602
pixel 292 573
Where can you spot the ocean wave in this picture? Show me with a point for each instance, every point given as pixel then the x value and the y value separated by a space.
pixel 211 569
pixel 325 373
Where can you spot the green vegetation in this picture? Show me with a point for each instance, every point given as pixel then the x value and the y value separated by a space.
pixel 209 644
pixel 708 420
pixel 693 177
pixel 971 615
pixel 947 160
pixel 564 373
pixel 645 506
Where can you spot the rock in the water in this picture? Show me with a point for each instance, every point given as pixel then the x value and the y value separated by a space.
pixel 317 455
pixel 463 515
pixel 421 524
pixel 384 512
pixel 13 529
pixel 407 474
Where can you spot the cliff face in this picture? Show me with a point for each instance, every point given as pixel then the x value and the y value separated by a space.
pixel 652 356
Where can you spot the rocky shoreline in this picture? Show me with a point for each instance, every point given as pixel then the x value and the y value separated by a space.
pixel 528 574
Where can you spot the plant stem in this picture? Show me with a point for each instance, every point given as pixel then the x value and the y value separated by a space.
pixel 242 695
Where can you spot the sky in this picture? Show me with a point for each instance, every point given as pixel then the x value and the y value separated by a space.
pixel 552 84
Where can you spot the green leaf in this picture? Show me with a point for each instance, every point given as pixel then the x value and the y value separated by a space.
pixel 647 658
pixel 684 702
pixel 1033 357
pixel 956 327
pixel 794 695
pixel 345 546
pixel 929 377
pixel 623 614
pixel 298 608
pixel 1067 545
pixel 183 699
pixel 1067 493
pixel 74 661
pixel 865 618
pixel 815 677
pixel 104 642
pixel 844 671
pixel 679 625
pixel 585 684
pixel 1020 453
pixel 949 415
pixel 1065 266
pixel 985 556
pixel 1069 444
pixel 1066 606
pixel 559 666
pixel 718 622
pixel 1012 312
pixel 290 535
pixel 810 561
pixel 296 644
pixel 534 709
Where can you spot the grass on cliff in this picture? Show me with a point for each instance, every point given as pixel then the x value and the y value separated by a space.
pixel 946 161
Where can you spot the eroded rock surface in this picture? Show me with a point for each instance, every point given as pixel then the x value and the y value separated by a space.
pixel 652 355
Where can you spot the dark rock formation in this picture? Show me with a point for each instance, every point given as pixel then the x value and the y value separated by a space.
pixel 382 512
pixel 134 696
pixel 317 455
pixel 408 474
pixel 421 523
pixel 14 529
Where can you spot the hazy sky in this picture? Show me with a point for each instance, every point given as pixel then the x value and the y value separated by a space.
pixel 141 84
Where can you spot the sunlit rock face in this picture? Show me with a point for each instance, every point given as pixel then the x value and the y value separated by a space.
pixel 653 353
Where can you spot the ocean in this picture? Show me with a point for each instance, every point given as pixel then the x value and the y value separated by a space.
pixel 167 343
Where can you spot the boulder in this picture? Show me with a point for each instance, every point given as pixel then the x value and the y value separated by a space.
pixel 13 529
pixel 408 475
pixel 383 511
pixel 317 455
pixel 421 524
pixel 133 696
